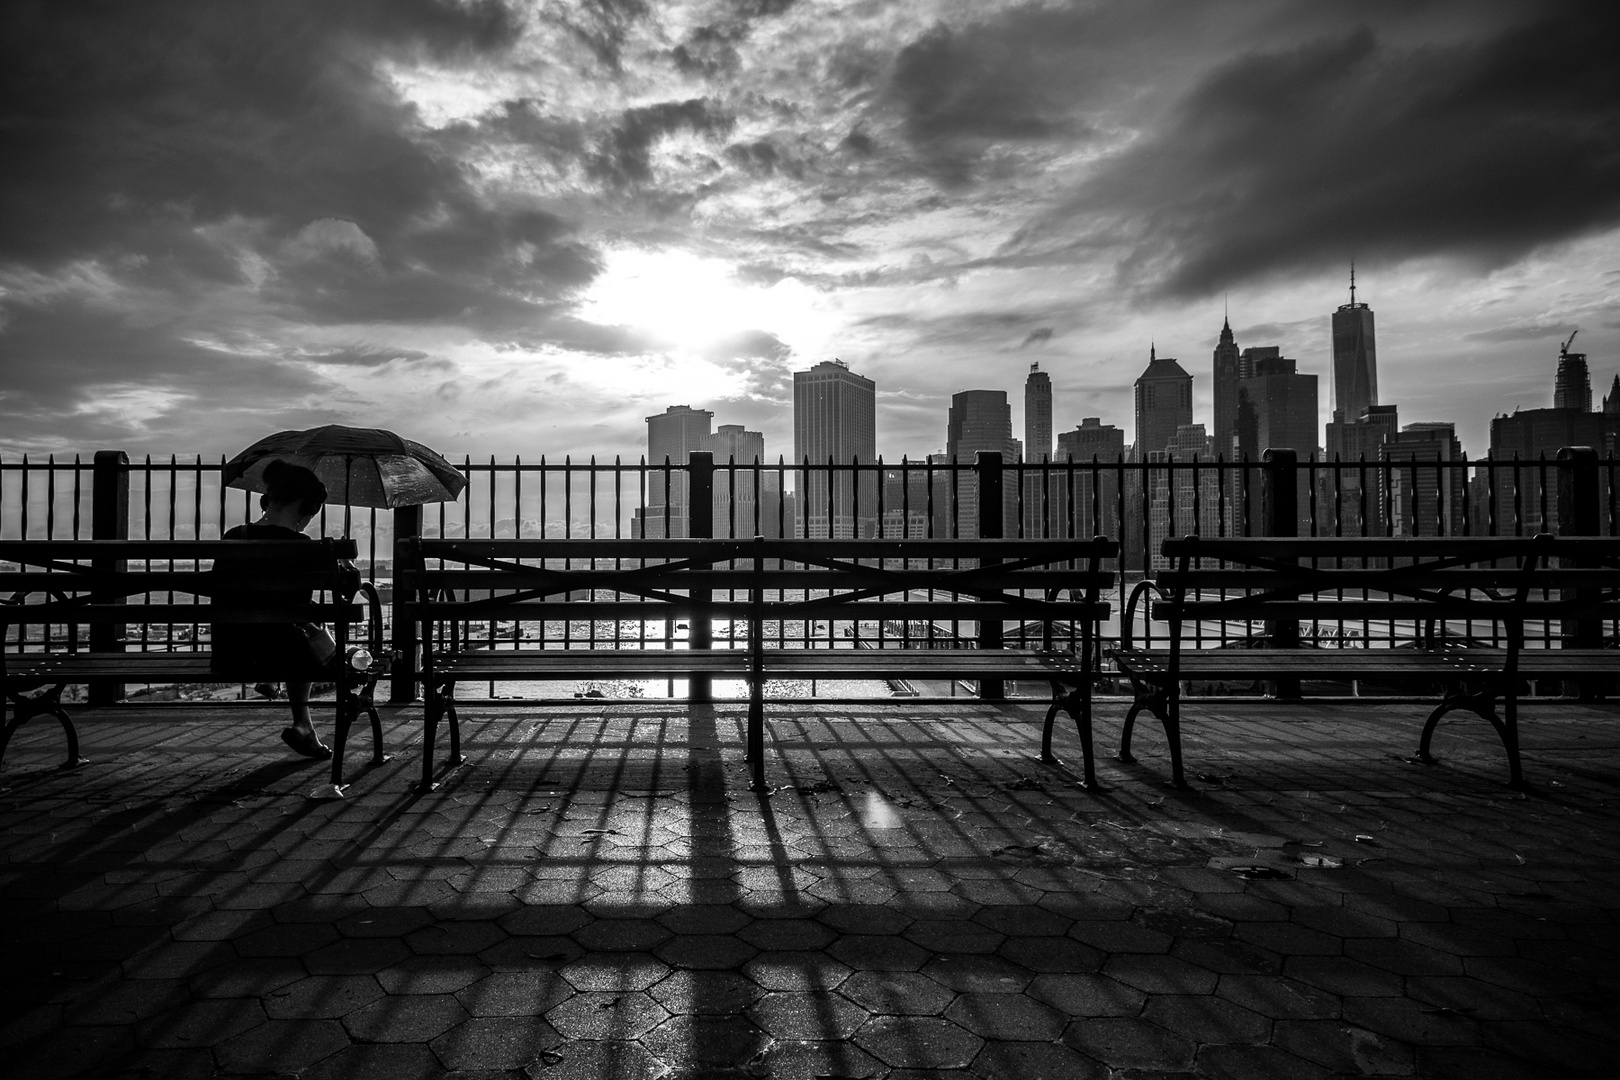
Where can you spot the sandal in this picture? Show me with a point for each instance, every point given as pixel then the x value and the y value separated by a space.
pixel 306 743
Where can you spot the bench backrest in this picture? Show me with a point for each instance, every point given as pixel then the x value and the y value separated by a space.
pixel 1425 581
pixel 905 586
pixel 151 582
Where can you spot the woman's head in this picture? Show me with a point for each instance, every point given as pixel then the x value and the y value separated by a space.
pixel 294 487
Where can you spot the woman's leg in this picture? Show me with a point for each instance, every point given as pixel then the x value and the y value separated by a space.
pixel 298 698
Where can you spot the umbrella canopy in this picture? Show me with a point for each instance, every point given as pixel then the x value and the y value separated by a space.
pixel 359 466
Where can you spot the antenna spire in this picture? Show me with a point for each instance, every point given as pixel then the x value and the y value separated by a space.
pixel 1352 283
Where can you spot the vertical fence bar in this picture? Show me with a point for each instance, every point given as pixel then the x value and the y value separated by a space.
pixel 109 520
pixel 402 688
pixel 1279 501
pixel 700 508
pixel 1580 514
pixel 987 465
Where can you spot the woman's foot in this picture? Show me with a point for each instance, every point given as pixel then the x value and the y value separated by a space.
pixel 306 743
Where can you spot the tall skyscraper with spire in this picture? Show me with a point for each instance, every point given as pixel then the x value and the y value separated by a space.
pixel 1355 358
pixel 1227 377
pixel 1037 415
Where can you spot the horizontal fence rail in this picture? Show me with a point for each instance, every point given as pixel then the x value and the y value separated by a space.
pixel 109 496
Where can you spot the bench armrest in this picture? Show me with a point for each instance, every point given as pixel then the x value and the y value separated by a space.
pixel 1125 623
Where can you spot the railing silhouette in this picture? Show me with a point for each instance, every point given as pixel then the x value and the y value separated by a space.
pixel 1574 493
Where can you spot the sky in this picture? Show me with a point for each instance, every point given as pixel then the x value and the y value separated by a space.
pixel 523 227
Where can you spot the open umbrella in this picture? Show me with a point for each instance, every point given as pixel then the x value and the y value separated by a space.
pixel 359 466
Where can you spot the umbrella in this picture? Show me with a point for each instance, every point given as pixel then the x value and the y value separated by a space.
pixel 359 466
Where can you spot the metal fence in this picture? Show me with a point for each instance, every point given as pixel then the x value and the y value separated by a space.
pixel 107 495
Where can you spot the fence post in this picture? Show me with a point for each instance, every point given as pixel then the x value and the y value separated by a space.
pixel 402 688
pixel 1580 514
pixel 700 515
pixel 1279 516
pixel 109 520
pixel 988 470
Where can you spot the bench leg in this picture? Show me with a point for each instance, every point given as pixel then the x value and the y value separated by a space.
pixel 1482 705
pixel 440 702
pixel 347 705
pixel 1077 703
pixel 368 702
pixel 1165 705
pixel 754 751
pixel 49 701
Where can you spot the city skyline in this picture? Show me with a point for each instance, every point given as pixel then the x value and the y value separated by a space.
pixel 512 228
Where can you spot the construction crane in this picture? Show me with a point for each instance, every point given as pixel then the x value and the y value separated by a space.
pixel 1563 350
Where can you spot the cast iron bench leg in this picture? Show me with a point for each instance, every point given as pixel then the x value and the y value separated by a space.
pixel 1482 705
pixel 346 706
pixel 432 707
pixel 25 709
pixel 1077 703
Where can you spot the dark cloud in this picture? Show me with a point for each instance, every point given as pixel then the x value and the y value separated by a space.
pixel 1038 336
pixel 1352 146
pixel 622 158
pixel 1536 331
pixel 368 356
pixel 602 26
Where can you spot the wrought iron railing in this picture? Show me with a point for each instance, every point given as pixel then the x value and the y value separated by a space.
pixel 1141 503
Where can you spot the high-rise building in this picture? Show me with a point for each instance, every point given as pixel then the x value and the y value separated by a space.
pixel 1089 505
pixel 1163 403
pixel 1425 501
pixel 1611 404
pixel 672 435
pixel 743 494
pixel 1227 376
pixel 1182 500
pixel 1572 386
pixel 1037 414
pixel 835 419
pixel 981 420
pixel 1276 406
pixel 1355 358
pixel 1352 494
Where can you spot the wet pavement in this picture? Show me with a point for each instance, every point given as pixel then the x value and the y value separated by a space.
pixel 598 894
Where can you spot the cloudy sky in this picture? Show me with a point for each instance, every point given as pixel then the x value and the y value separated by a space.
pixel 522 227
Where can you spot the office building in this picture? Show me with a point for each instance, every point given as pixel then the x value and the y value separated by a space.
pixel 1430 499
pixel 1227 375
pixel 1351 490
pixel 743 492
pixel 1572 385
pixel 981 420
pixel 671 437
pixel 1355 357
pixel 1183 499
pixel 835 420
pixel 1089 504
pixel 1163 403
pixel 1276 406
pixel 1040 517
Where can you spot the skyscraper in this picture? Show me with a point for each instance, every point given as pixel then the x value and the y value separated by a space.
pixel 1093 508
pixel 1037 414
pixel 671 436
pixel 1282 404
pixel 835 418
pixel 1163 403
pixel 1040 508
pixel 982 420
pixel 1572 386
pixel 739 504
pixel 1355 358
pixel 1226 399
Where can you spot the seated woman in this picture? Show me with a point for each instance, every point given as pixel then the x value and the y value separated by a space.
pixel 252 650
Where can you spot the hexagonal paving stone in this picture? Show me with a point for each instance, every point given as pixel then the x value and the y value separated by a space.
pixel 1024 921
pixel 1160 974
pixel 1262 1063
pixel 585 1060
pixel 201 1023
pixel 357 956
pixel 918 1042
pixel 405 1018
pixel 897 993
pixel 1207 1019
pixel 384 922
pixel 621 935
pixel 772 935
pixel 458 938
pixel 1278 998
pixel 388 1061
pixel 1341 1047
pixel 595 1014
pixel 1129 1043
pixel 495 1042
pixel 879 953
pixel 515 993
pixel 710 992
pixel 812 1016
pixel 1034 1061
pixel 291 939
pixel 1006 1017
pixel 691 1042
pixel 1087 995
pixel 978 974
pixel 630 971
pixel 954 935
pixel 282 1046
pixel 796 971
pixel 865 919
pixel 705 919
pixel 321 997
pixel 431 975
pixel 716 952
pixel 1052 954
pixel 1114 936
pixel 544 920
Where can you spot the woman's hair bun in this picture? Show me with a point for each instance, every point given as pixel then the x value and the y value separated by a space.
pixel 291 484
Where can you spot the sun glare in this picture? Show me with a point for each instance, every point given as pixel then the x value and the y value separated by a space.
pixel 684 302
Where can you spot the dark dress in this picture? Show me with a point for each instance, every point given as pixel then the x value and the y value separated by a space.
pixel 260 650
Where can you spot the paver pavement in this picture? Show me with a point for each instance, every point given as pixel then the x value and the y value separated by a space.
pixel 598 894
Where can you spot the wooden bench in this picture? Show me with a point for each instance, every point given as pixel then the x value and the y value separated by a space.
pixel 1450 612
pixel 464 594
pixel 105 611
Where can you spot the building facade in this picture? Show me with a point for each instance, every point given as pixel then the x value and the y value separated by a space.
pixel 1163 403
pixel 1355 357
pixel 835 420
pixel 1089 502
pixel 981 420
pixel 672 435
pixel 1223 432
